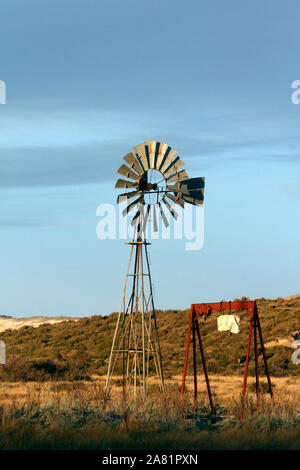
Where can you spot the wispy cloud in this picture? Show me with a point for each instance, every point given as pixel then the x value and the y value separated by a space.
pixel 98 162
pixel 60 147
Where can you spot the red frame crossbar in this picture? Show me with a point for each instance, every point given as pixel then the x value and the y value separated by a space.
pixel 204 311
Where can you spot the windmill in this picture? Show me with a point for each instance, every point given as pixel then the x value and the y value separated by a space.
pixel 155 184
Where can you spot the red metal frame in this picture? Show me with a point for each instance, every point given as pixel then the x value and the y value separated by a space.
pixel 204 311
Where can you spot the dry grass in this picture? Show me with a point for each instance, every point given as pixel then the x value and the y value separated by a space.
pixel 224 388
pixel 77 415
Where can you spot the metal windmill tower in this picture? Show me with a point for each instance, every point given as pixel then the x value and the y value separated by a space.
pixel 155 179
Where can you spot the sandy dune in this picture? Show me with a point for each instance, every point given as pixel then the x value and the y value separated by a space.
pixel 15 323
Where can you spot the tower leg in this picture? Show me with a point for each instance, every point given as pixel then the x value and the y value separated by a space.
pixel 153 317
pixel 140 247
pixel 212 407
pixel 121 313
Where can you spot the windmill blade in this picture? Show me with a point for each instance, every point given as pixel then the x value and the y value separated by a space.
pixel 140 227
pixel 169 157
pixel 171 209
pixel 150 147
pixel 157 148
pixel 173 198
pixel 125 171
pixel 146 217
pixel 147 155
pixel 155 226
pixel 134 163
pixel 165 220
pixel 135 218
pixel 161 149
pixel 139 150
pixel 139 217
pixel 175 166
pixel 124 184
pixel 140 161
pixel 165 156
pixel 181 175
pixel 126 196
pixel 131 206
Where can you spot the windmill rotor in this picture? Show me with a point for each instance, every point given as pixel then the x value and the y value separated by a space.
pixel 155 174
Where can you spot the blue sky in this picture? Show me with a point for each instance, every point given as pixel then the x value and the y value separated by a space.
pixel 86 80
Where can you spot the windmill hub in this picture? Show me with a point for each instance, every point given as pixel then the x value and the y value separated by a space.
pixel 149 180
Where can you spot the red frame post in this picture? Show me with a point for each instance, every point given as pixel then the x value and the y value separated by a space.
pixel 212 407
pixel 204 310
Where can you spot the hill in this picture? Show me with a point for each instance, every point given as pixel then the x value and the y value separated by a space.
pixel 77 349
